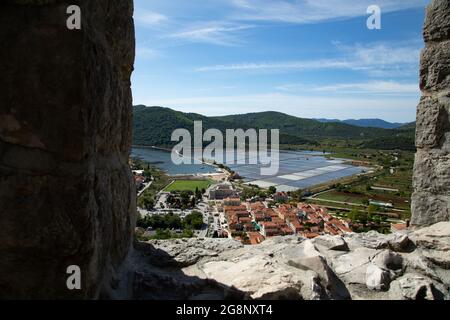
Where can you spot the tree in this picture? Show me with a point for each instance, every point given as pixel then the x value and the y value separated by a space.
pixel 198 194
pixel 371 210
pixel 194 220
pixel 272 190
pixel 147 173
pixel 147 202
pixel 185 198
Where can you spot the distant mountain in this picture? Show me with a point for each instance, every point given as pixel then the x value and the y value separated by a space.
pixel 153 126
pixel 366 123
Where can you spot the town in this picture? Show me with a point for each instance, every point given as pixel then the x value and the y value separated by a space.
pixel 218 206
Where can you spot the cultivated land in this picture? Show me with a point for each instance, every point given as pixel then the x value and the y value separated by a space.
pixel 188 185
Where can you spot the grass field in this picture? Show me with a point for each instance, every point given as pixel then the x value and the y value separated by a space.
pixel 343 197
pixel 188 185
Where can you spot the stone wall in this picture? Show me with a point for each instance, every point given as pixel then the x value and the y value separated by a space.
pixel 66 191
pixel 431 198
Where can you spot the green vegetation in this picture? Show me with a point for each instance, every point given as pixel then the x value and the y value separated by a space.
pixel 194 220
pixel 188 185
pixel 160 180
pixel 363 221
pixel 293 131
pixel 164 234
pixel 251 191
pixel 171 226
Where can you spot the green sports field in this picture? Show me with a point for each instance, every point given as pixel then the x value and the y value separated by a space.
pixel 188 185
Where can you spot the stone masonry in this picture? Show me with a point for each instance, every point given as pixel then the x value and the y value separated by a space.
pixel 431 198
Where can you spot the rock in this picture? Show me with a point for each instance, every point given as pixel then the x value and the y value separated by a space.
pixel 65 139
pixel 429 208
pixel 331 287
pixel 434 71
pixel 432 176
pixel 377 278
pixel 292 268
pixel 185 252
pixel 434 241
pixel 431 121
pixel 399 242
pixel 331 242
pixel 417 263
pixel 416 287
pixel 431 197
pixel 435 237
pixel 371 240
pixel 439 258
pixel 387 259
pixel 384 267
pixel 437 21
pixel 258 277
pixel 351 267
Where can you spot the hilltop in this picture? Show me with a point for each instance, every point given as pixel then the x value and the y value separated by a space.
pixel 293 130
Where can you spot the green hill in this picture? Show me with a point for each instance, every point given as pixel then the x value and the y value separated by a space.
pixel 153 127
pixel 402 138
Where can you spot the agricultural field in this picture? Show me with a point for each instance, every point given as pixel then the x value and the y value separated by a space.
pixel 363 198
pixel 188 185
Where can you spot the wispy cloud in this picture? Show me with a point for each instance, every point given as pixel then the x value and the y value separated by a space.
pixel 143 52
pixel 313 11
pixel 371 87
pixel 371 58
pixel 217 32
pixel 149 18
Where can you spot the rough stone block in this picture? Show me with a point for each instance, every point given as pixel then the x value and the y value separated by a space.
pixel 430 208
pixel 67 196
pixel 432 172
pixel 437 21
pixel 432 123
pixel 435 67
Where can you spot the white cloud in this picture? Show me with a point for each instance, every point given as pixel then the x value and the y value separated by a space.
pixel 313 11
pixel 147 53
pixel 371 87
pixel 378 58
pixel 219 33
pixel 149 18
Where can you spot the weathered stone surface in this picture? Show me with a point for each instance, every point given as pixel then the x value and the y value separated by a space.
pixel 434 68
pixel 371 240
pixel 432 120
pixel 399 242
pixel 377 278
pixel 432 172
pixel 66 191
pixel 296 268
pixel 332 242
pixel 185 252
pixel 431 197
pixel 435 244
pixel 415 287
pixel 430 208
pixel 437 21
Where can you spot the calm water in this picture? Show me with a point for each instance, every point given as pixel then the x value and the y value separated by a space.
pixel 162 159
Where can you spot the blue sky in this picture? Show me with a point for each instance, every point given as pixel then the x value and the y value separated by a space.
pixel 308 58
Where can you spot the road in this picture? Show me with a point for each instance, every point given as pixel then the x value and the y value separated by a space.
pixel 145 188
